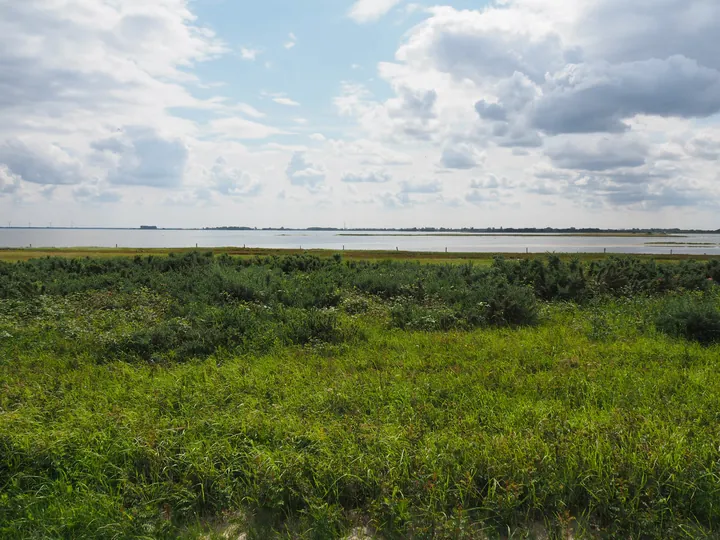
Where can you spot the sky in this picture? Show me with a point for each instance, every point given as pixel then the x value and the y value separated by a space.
pixel 360 113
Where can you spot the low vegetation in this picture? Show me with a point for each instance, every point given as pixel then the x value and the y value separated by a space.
pixel 298 396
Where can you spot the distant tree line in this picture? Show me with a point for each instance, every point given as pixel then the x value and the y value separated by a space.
pixel 521 230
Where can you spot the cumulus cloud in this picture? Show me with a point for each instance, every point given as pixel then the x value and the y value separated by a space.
pixel 94 193
pixel 231 181
pixel 598 155
pixel 363 11
pixel 598 97
pixel 568 74
pixel 619 31
pixel 247 53
pixel 481 45
pixel 481 196
pixel 241 128
pixel 286 101
pixel 648 187
pixel 247 110
pixel 369 152
pixel 460 156
pixel 487 189
pixel 74 73
pixel 428 187
pixel 110 59
pixel 367 177
pixel 145 158
pixel 589 86
pixel 650 196
pixel 411 115
pixel 40 163
pixel 302 172
pixel 704 146
pixel 609 103
pixel 9 182
pixel 490 182
pixel 413 112
pixel 191 198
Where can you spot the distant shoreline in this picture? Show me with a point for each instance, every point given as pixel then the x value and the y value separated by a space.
pixel 427 231
pixel 554 234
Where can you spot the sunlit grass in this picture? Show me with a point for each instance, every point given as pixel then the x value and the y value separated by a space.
pixel 590 421
pixel 14 255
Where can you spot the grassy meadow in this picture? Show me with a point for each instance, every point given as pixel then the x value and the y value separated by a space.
pixel 25 254
pixel 209 395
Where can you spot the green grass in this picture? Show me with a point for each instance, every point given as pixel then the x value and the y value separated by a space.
pixel 25 254
pixel 590 422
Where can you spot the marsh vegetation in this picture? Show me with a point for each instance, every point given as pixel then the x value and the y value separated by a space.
pixel 299 396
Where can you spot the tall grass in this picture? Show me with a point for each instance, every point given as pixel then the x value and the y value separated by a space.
pixel 139 401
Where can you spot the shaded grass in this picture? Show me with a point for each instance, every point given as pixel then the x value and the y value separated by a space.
pixel 591 419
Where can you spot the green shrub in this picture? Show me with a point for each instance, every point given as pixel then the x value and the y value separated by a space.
pixel 510 305
pixel 405 314
pixel 306 326
pixel 355 305
pixel 695 318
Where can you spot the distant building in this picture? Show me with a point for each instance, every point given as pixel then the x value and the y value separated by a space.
pixel 148 227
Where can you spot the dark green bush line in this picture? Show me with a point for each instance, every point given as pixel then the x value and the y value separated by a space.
pixel 234 329
pixel 251 305
pixel 304 280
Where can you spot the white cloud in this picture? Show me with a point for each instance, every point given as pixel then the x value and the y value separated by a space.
pixel 247 110
pixel 286 101
pixel 704 145
pixel 433 186
pixel 241 128
pixel 9 182
pixel 98 62
pixel 363 11
pixel 250 54
pixel 95 193
pixel 591 106
pixel 538 76
pixel 482 196
pixel 192 198
pixel 593 154
pixel 232 181
pixel 145 158
pixel 461 156
pixel 490 182
pixel 366 177
pixel 302 172
pixel 40 163
pixel 598 97
pixel 369 152
pixel 291 42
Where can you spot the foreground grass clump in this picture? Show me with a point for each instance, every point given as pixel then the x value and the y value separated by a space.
pixel 303 398
pixel 691 317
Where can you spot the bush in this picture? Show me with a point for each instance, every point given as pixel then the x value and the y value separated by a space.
pixel 307 326
pixel 694 318
pixel 408 315
pixel 511 305
pixel 494 303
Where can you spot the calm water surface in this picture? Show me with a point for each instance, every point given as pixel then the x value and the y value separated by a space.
pixel 19 238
